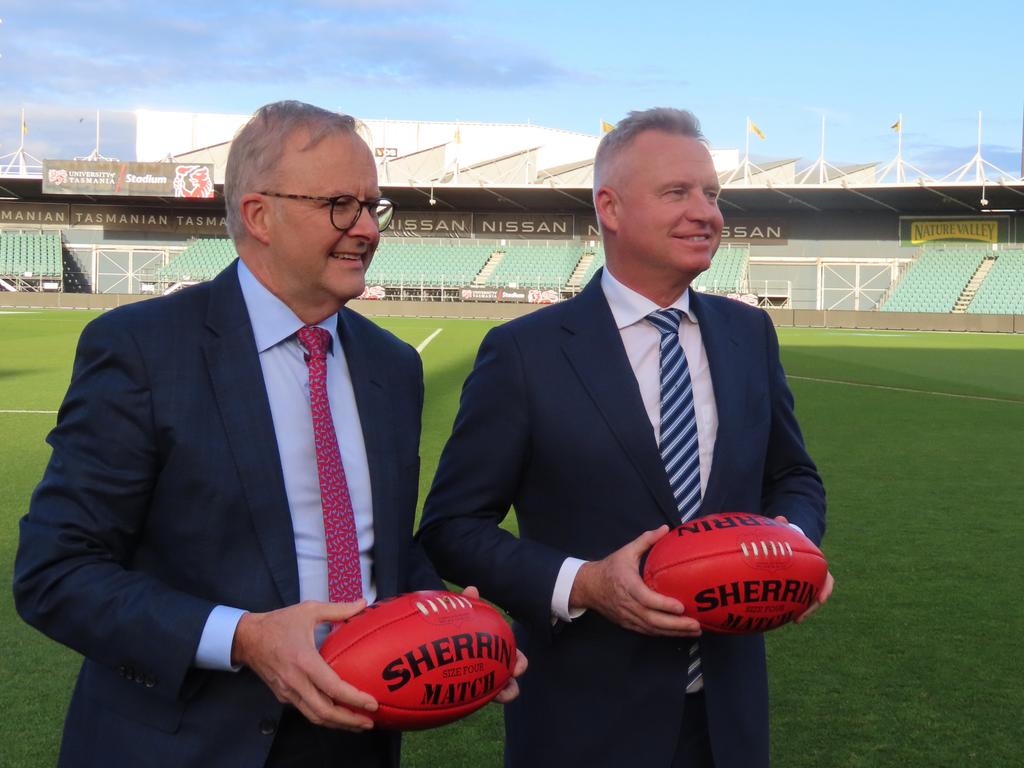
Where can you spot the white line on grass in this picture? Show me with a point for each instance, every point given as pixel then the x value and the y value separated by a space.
pixel 19 411
pixel 430 338
pixel 907 389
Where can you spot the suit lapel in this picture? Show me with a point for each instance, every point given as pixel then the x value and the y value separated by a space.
pixel 594 349
pixel 241 395
pixel 722 349
pixel 368 382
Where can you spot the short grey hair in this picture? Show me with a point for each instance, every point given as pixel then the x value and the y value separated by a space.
pixel 679 122
pixel 258 146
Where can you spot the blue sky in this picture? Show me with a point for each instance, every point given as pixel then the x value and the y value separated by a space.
pixel 566 65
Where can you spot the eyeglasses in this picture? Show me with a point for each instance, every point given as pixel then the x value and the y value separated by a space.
pixel 346 209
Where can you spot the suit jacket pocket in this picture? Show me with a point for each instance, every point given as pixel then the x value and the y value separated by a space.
pixel 130 699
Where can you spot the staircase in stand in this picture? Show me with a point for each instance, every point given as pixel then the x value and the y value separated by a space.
pixel 576 278
pixel 971 289
pixel 488 268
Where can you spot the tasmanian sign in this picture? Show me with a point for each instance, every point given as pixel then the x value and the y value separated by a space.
pixel 86 177
pixel 124 218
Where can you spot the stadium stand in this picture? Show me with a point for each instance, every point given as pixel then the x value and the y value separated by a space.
pixel 30 255
pixel 726 274
pixel 401 262
pixel 1002 292
pixel 935 280
pixel 536 265
pixel 727 271
pixel 202 260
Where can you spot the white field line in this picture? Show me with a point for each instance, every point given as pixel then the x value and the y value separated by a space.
pixel 430 338
pixel 908 390
pixel 23 411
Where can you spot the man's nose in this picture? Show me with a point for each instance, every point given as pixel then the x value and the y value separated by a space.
pixel 365 227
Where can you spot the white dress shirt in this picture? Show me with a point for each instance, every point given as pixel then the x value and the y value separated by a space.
pixel 643 348
pixel 287 380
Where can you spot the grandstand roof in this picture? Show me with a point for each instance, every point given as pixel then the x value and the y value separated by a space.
pixel 931 198
pixel 912 198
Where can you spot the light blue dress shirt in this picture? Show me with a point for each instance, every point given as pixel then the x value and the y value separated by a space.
pixel 287 379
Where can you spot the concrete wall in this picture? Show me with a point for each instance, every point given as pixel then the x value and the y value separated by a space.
pixel 67 300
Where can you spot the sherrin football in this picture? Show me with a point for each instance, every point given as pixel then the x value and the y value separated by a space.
pixel 737 573
pixel 427 657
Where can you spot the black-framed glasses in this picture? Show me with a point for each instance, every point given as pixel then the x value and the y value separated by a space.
pixel 346 209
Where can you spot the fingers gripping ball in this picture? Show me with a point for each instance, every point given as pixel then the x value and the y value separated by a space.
pixel 737 573
pixel 427 657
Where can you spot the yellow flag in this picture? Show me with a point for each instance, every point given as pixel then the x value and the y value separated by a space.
pixel 754 129
pixel 458 136
pixel 607 127
pixel 896 126
pixel 24 127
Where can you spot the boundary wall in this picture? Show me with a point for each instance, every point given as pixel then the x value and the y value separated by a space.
pixel 802 318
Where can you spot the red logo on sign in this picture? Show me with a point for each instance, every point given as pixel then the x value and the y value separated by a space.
pixel 192 181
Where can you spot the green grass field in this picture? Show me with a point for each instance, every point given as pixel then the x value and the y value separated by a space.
pixel 913 663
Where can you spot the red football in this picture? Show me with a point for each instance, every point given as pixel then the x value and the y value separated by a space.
pixel 737 573
pixel 427 657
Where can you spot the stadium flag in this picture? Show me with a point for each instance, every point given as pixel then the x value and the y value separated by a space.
pixel 457 138
pixel 607 127
pixel 897 125
pixel 752 127
pixel 24 127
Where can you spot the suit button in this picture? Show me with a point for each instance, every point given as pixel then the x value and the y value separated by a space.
pixel 268 726
pixel 149 681
pixel 122 671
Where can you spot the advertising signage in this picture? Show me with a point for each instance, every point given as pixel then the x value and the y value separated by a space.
pixel 988 230
pixel 86 177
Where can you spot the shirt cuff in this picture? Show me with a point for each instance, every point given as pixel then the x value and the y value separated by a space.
pixel 797 528
pixel 563 587
pixel 214 651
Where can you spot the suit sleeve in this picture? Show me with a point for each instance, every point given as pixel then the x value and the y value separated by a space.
pixel 791 484
pixel 476 483
pixel 73 577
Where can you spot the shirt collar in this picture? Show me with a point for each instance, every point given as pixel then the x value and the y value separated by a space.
pixel 271 319
pixel 629 307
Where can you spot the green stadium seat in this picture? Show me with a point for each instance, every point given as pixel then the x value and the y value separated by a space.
pixel 935 280
pixel 202 260
pixel 536 265
pixel 39 255
pixel 1002 291
pixel 412 262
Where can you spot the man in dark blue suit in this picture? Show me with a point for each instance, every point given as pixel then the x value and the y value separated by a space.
pixel 177 538
pixel 561 418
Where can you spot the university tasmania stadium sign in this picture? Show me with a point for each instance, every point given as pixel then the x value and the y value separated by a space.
pixel 86 177
pixel 991 229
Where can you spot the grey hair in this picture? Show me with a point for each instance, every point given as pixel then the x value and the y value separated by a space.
pixel 679 122
pixel 258 146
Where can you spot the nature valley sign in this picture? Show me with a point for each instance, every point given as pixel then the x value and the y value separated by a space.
pixel 922 231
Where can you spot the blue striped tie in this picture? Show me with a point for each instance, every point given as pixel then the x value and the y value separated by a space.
pixel 680 451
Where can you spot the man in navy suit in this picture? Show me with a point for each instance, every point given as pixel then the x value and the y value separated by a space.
pixel 560 418
pixel 177 539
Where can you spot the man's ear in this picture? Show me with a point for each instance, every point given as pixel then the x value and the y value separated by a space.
pixel 608 208
pixel 256 217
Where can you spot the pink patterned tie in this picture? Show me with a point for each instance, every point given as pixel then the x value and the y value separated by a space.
pixel 344 581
